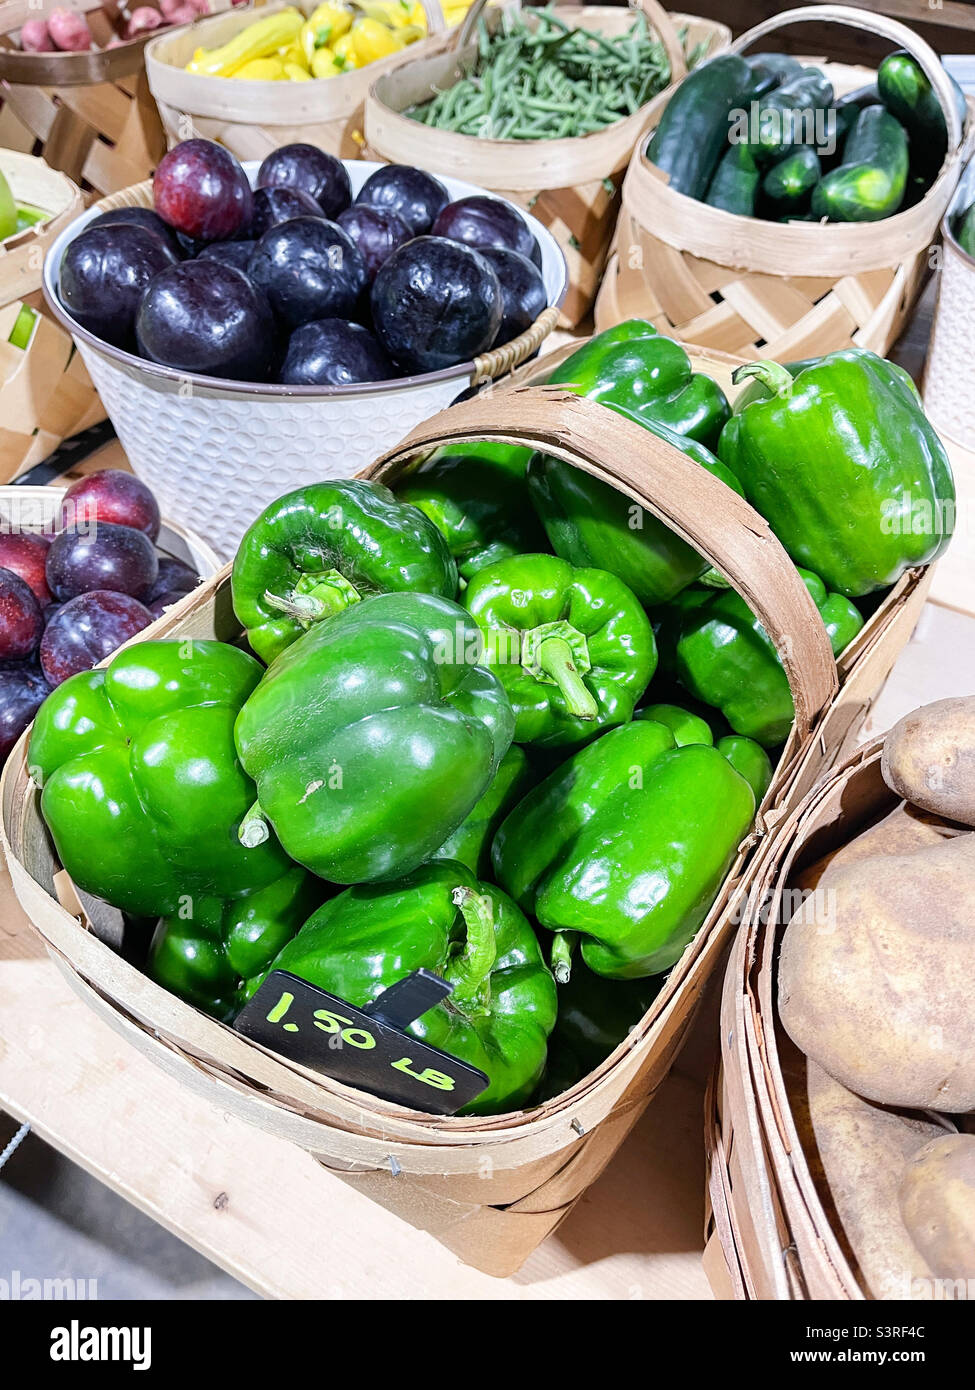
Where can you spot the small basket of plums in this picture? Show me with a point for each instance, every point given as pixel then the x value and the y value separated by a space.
pixel 82 570
pixel 251 328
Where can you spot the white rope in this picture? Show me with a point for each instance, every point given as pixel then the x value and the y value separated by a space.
pixel 14 1144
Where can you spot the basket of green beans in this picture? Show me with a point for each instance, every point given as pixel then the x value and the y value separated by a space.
pixel 543 106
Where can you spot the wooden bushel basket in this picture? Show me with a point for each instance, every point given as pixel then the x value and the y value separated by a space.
pixel 570 185
pixel 489 1188
pixel 45 391
pixel 253 118
pixel 773 1231
pixel 863 666
pixel 89 114
pixel 768 289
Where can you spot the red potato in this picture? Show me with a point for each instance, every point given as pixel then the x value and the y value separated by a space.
pixel 143 21
pixel 35 37
pixel 183 14
pixel 69 31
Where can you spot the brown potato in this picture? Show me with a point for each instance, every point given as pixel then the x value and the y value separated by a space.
pixel 937 1202
pixel 905 829
pixel 929 758
pixel 875 977
pixel 863 1149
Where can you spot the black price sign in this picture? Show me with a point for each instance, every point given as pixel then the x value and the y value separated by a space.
pixel 366 1048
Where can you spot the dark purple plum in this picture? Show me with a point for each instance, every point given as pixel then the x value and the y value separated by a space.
pixel 311 171
pixel 376 232
pixel 104 274
pixel 139 217
pixel 21 619
pixel 523 293
pixel 107 557
pixel 200 189
pixel 436 303
pixel 308 269
pixel 235 253
pixel 161 602
pixel 280 204
pixel 415 196
pixel 21 695
pixel 209 318
pixel 87 629
pixel 173 577
pixel 25 552
pixel 334 352
pixel 480 222
pixel 110 495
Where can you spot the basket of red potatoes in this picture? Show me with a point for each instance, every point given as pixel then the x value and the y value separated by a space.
pixel 61 46
pixel 82 570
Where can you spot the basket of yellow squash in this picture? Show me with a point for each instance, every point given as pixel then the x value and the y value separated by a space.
pixel 259 77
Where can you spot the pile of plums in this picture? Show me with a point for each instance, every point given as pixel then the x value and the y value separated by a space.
pixel 69 599
pixel 295 282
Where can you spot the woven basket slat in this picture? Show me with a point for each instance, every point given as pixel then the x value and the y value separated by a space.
pixel 809 260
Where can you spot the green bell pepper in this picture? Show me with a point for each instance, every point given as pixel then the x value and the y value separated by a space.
pixel 685 726
pixel 372 737
pixel 572 647
pixel 749 759
pixel 595 1016
pixel 143 792
pixel 214 951
pixel 846 468
pixel 314 552
pixel 470 844
pixel 723 656
pixel 627 843
pixel 590 523
pixel 476 496
pixel 441 918
pixel 633 366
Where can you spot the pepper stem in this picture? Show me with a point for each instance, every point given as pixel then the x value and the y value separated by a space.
pixel 315 597
pixel 470 971
pixel 772 375
pixel 555 658
pixel 563 944
pixel 253 829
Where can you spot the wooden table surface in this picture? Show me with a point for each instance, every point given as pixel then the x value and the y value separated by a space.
pixel 267 1213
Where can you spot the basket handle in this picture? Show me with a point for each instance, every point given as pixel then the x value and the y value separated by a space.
pixel 700 508
pixel 657 16
pixel 871 23
pixel 436 23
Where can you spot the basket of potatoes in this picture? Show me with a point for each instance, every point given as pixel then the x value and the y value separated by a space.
pixel 841 1122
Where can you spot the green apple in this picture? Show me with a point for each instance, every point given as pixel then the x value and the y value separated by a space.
pixel 8 209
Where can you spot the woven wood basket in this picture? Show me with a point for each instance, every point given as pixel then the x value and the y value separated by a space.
pixel 774 1232
pixel 571 186
pixel 863 667
pixel 45 391
pixel 490 1188
pixel 766 289
pixel 91 114
pixel 254 118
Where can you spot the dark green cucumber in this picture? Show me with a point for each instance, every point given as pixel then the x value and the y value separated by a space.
pixel 907 93
pixel 790 116
pixel 965 230
pixel 734 187
pixel 870 183
pixel 693 130
pixel 772 69
pixel 788 185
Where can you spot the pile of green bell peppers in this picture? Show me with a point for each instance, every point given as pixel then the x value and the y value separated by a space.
pixel 458 754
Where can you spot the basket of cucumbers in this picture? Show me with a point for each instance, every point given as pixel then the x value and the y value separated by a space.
pixel 785 207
